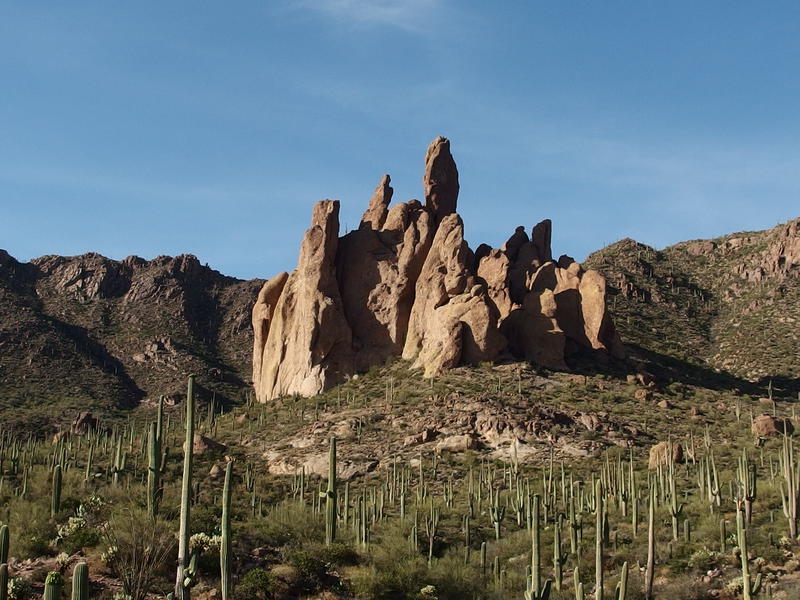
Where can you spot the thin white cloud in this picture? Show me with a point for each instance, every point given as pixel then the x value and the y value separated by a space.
pixel 415 16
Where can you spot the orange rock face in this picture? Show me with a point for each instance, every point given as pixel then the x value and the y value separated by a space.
pixel 406 283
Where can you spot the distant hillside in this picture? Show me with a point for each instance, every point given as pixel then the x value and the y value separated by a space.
pixel 89 332
pixel 732 303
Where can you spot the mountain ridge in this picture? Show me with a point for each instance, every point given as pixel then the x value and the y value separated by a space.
pixel 91 333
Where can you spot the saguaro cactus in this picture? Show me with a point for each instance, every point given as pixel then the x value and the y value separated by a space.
pixel 651 545
pixel 496 512
pixel 183 577
pixel 598 558
pixel 790 487
pixel 578 585
pixel 153 471
pixel 80 582
pixel 330 496
pixel 4 538
pixel 52 586
pixel 225 545
pixel 749 589
pixel 622 586
pixel 747 483
pixel 559 557
pixel 55 501
pixel 4 581
pixel 535 590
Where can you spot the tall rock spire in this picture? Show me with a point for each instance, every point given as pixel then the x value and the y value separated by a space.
pixel 440 180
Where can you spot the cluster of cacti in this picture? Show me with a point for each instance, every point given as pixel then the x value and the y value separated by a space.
pixel 564 515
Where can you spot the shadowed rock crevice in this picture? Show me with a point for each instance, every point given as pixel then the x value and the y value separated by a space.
pixel 407 283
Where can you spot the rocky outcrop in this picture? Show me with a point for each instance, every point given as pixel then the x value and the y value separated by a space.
pixel 262 316
pixel 440 180
pixel 407 283
pixel 377 273
pixel 664 453
pixel 308 345
pixel 453 321
pixel 765 426
pixel 375 216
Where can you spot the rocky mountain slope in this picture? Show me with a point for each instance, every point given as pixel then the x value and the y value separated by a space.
pixel 731 303
pixel 90 332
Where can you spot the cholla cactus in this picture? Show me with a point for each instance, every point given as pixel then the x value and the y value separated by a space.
pixel 429 593
pixel 19 589
pixel 204 542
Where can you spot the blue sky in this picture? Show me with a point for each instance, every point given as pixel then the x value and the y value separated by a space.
pixel 161 128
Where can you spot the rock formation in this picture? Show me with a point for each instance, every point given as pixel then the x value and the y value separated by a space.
pixel 407 283
pixel 308 344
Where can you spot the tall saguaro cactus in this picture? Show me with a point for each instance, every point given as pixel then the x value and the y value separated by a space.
pixel 225 545
pixel 55 501
pixel 599 522
pixel 80 582
pixel 153 470
pixel 535 590
pixel 330 496
pixel 4 539
pixel 183 577
pixel 749 588
pixel 52 586
pixel 790 486
pixel 651 545
pixel 4 581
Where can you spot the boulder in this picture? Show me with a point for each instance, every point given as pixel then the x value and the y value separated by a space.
pixel 426 435
pixel 203 445
pixel 533 331
pixel 665 452
pixel 457 443
pixel 513 245
pixel 768 426
pixel 83 423
pixel 261 318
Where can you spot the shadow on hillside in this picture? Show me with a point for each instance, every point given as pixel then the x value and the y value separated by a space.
pixel 102 358
pixel 782 387
pixel 668 369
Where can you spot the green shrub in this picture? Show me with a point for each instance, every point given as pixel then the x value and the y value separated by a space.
pixel 337 554
pixel 311 571
pixel 255 585
pixel 84 537
pixel 704 559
